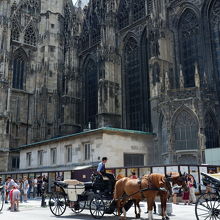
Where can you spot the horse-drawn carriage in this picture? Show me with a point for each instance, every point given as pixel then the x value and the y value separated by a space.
pixel 208 204
pixel 96 195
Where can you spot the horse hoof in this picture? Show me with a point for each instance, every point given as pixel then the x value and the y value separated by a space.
pixel 167 218
pixel 138 216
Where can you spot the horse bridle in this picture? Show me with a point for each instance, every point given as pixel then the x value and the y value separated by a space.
pixel 181 178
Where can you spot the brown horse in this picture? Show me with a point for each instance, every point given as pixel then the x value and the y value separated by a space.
pixel 174 178
pixel 148 188
pixel 132 189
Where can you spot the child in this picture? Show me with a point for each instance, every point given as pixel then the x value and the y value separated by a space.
pixel 14 198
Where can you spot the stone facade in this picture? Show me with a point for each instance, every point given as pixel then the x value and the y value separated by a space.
pixel 150 65
pixel 72 150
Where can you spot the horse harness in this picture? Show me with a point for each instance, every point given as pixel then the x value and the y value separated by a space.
pixel 150 187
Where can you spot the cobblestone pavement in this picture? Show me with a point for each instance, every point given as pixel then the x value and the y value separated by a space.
pixel 33 211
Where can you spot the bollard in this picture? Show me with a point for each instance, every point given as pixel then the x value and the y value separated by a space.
pixel 169 209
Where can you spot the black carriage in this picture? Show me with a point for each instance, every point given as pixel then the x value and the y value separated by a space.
pixel 208 204
pixel 96 195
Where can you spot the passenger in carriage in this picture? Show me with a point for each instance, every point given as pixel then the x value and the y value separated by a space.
pixel 102 171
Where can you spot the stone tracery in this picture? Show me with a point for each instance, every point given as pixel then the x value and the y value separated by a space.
pixel 15 32
pixel 186 131
pixel 133 84
pixel 19 69
pixel 30 36
pixel 189 45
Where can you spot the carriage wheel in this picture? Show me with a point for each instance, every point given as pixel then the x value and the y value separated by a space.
pixel 57 203
pixel 80 206
pixel 208 207
pixel 97 207
pixel 2 200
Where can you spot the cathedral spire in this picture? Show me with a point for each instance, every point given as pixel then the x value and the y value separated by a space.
pixel 79 4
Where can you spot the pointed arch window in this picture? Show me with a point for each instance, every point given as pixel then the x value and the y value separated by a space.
pixel 145 84
pixel 215 34
pixel 91 92
pixel 30 36
pixel 186 131
pixel 133 85
pixel 211 132
pixel 138 9
pixel 123 14
pixel 19 69
pixel 189 45
pixel 15 33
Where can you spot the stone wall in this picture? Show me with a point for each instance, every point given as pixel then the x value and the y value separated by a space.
pixel 103 142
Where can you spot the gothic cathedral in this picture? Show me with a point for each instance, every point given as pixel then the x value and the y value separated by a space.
pixel 148 65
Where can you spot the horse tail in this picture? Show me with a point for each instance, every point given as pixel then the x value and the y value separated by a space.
pixel 119 188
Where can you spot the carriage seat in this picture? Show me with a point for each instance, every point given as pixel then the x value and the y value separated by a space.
pixel 73 182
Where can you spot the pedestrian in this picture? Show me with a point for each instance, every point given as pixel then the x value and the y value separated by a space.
pixel 6 190
pixel 186 196
pixel 35 187
pixel 192 185
pixel 21 189
pixel 133 175
pixel 26 187
pixel 14 198
pixel 10 186
pixel 45 184
pixel 176 192
pixel 39 186
pixel 30 188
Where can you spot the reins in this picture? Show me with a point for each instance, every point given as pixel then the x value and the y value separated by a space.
pixel 139 191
